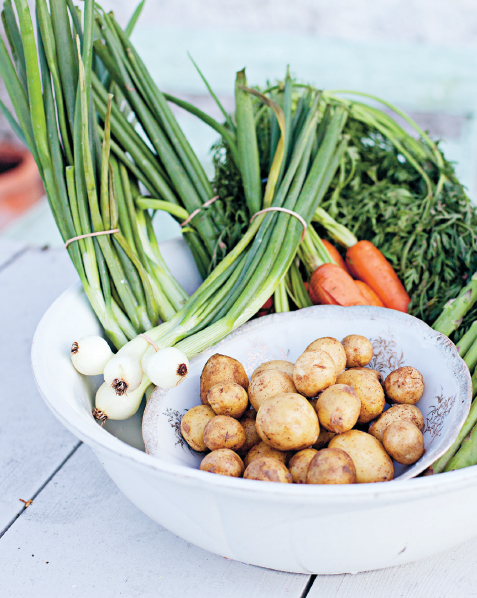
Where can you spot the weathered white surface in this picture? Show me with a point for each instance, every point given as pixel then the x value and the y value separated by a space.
pixel 32 443
pixel 421 21
pixel 451 574
pixel 8 250
pixel 88 540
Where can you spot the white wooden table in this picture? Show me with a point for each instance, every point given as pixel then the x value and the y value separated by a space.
pixel 81 537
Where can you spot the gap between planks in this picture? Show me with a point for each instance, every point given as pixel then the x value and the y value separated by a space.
pixel 307 588
pixel 10 260
pixel 47 481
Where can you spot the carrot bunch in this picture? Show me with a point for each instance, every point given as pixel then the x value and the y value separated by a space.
pixel 367 278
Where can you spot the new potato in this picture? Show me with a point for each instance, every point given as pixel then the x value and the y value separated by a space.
pixel 404 442
pixel 395 413
pixel 314 371
pixel 359 350
pixel 262 449
pixel 267 469
pixel 192 426
pixel 223 462
pixel 331 466
pixel 404 385
pixel 287 422
pixel 276 364
pixel 251 436
pixel 377 375
pixel 334 348
pixel 371 461
pixel 369 391
pixel 223 431
pixel 267 384
pixel 228 398
pixel 298 465
pixel 221 368
pixel 338 408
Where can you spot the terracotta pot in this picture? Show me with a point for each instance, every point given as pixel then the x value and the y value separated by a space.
pixel 20 182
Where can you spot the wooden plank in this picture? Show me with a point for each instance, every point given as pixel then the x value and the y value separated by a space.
pixel 81 537
pixel 447 575
pixel 9 250
pixel 32 443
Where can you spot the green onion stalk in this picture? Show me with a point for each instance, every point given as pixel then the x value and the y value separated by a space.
pixel 89 191
pixel 164 163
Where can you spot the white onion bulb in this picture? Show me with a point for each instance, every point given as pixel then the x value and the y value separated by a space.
pixel 90 355
pixel 123 373
pixel 167 368
pixel 111 406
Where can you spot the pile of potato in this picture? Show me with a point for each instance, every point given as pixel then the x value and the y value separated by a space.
pixel 317 421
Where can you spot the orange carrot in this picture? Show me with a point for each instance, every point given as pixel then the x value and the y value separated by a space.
pixel 311 294
pixel 335 254
pixel 324 298
pixel 333 285
pixel 368 293
pixel 368 264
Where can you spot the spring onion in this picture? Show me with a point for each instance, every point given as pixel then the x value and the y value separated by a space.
pixel 90 354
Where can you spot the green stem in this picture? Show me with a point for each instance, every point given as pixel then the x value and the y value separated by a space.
pixel 280 298
pixel 455 309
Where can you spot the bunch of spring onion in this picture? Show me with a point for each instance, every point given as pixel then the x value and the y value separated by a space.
pixel 79 174
pixel 89 190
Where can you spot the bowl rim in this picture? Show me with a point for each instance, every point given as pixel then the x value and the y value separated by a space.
pixel 101 440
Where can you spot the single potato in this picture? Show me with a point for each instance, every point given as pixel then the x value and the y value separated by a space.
pixel 372 462
pixel 334 348
pixel 338 408
pixel 221 368
pixel 314 371
pixel 267 469
pixel 228 398
pixel 404 442
pixel 251 436
pixel 267 384
pixel 192 426
pixel 298 465
pixel 369 391
pixel 379 377
pixel 405 385
pixel 288 422
pixel 224 462
pixel 331 466
pixel 276 364
pixel 264 450
pixel 323 439
pixel 359 350
pixel 395 413
pixel 223 431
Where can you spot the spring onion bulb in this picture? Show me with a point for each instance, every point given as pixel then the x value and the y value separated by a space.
pixel 123 374
pixel 108 405
pixel 168 367
pixel 90 354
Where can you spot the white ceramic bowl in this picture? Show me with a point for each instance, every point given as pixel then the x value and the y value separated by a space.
pixel 298 528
